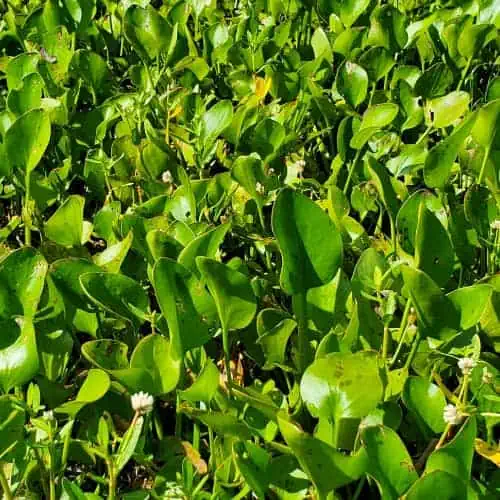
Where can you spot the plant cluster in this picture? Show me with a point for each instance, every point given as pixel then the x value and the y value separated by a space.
pixel 249 248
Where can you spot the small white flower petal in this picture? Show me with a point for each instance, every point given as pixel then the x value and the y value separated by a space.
pixel 166 177
pixel 49 415
pixel 142 402
pixel 466 365
pixel 451 415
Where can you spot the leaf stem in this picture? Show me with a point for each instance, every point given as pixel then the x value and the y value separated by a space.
pixel 352 166
pixel 482 173
pixel 27 210
pixel 299 303
pixel 442 439
pixel 385 342
pixel 464 74
pixel 112 479
pixel 7 493
pixel 413 351
pixel 402 331
pixel 227 358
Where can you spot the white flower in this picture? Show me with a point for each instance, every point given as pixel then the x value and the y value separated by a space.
pixel 466 365
pixel 166 177
pixel 495 224
pixel 487 377
pixel 271 171
pixel 300 165
pixel 49 415
pixel 451 415
pixel 142 402
pixel 259 188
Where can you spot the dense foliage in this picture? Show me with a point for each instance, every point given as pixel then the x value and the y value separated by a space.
pixel 249 249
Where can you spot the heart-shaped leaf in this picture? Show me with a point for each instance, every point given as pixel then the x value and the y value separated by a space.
pixel 390 463
pixel 232 292
pixel 18 353
pixel 65 227
pixel 118 294
pixel 148 32
pixel 352 83
pixel 22 278
pixel 426 401
pixel 312 254
pixel 27 139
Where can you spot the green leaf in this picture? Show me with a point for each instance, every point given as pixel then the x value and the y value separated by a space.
pixel 65 227
pixel 348 11
pixel 369 269
pixel 441 112
pixel 411 105
pixel 232 292
pixel 433 249
pixel 27 139
pixel 439 161
pixel 387 28
pixel 118 294
pixel 352 83
pixel 407 217
pixel 253 463
pixel 27 96
pixel 374 119
pixel 456 456
pixel 390 463
pixel 12 429
pixel 436 314
pixel 378 62
pixel 96 385
pixel 477 201
pixel 327 468
pixel 18 353
pixel 434 81
pixel 66 275
pixel 382 180
pixel 321 45
pixel 20 67
pixel 153 354
pixel 274 328
pixel 22 278
pixel 111 259
pixel 215 121
pixel 147 31
pixel 92 68
pixel 206 245
pixel 426 401
pixel 224 424
pixel 128 444
pixel 205 386
pixel 111 356
pixel 448 486
pixel 186 305
pixel 474 37
pixel 312 253
pixel 486 130
pixel 471 302
pixel 343 387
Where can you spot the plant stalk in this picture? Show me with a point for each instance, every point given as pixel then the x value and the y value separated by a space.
pixel 227 358
pixel 7 493
pixel 299 303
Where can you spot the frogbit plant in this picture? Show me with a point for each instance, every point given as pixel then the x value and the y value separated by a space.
pixel 249 249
